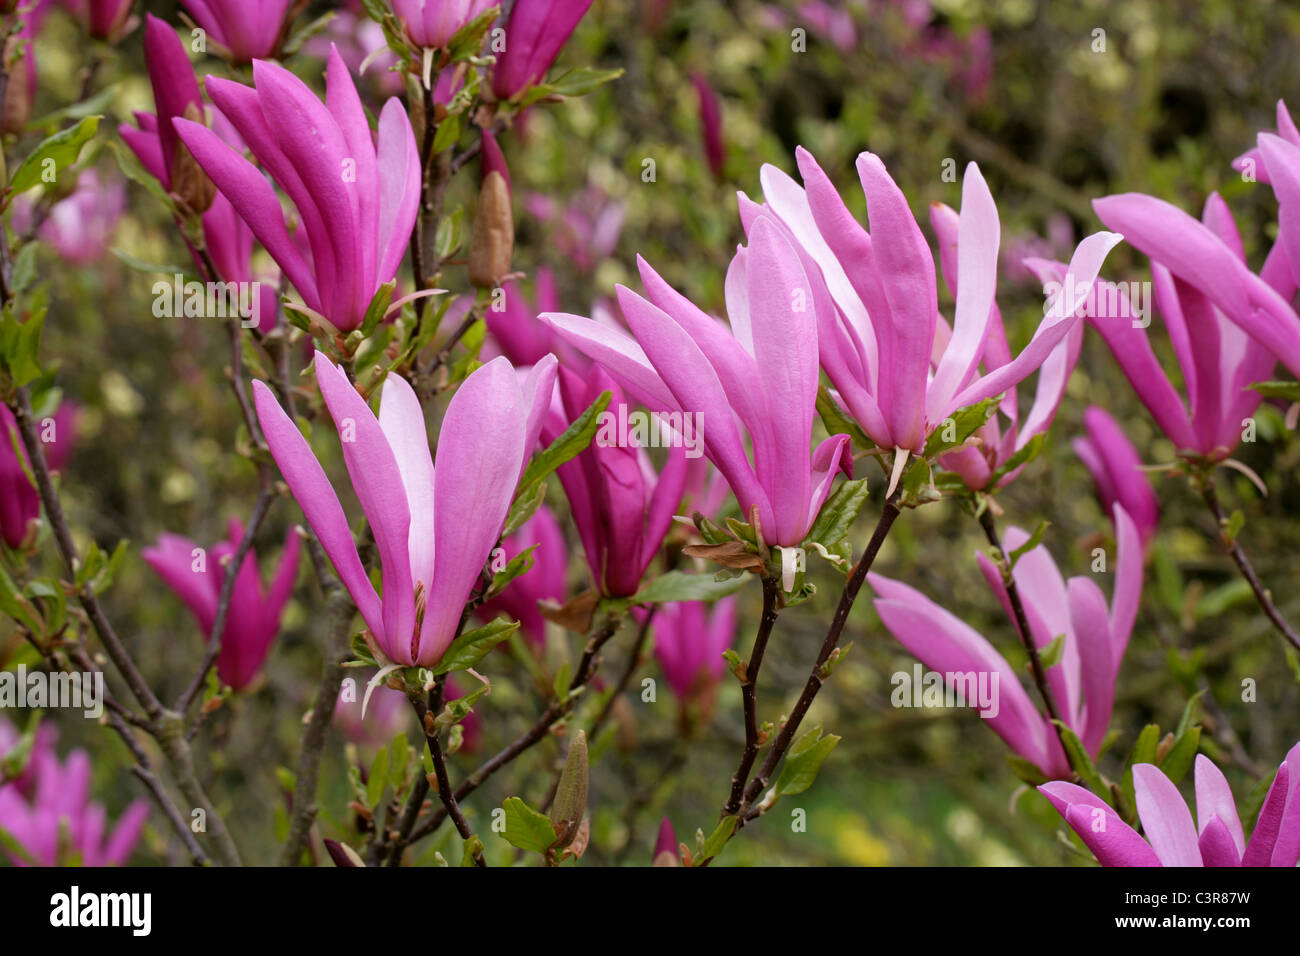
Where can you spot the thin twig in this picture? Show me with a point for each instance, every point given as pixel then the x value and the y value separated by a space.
pixel 1262 596
pixel 337 650
pixel 558 709
pixel 749 695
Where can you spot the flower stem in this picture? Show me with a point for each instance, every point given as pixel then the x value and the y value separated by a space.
pixel 748 690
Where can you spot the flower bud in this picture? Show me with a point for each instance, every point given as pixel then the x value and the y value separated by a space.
pixel 189 181
pixel 493 241
pixel 571 793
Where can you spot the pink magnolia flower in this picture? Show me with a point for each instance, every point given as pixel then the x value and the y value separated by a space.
pixel 534 33
pixel 546 580
pixel 1282 160
pixel 1251 162
pixel 977 465
pixel 81 225
pixel 1207 297
pixel 689 639
pixel 253 619
pixel 249 29
pixel 1082 682
pixel 516 329
pixel 103 19
pixel 622 508
pixel 20 502
pixel 680 359
pixel 50 816
pixel 1117 469
pixel 226 236
pixel 1216 838
pixel 715 148
pixel 432 23
pixel 356 204
pixel 1203 278
pixel 897 365
pixel 432 540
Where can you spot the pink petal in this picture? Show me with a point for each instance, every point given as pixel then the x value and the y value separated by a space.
pixel 1165 817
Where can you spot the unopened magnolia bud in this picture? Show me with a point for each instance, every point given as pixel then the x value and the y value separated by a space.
pixel 17 105
pixel 571 793
pixel 493 241
pixel 189 181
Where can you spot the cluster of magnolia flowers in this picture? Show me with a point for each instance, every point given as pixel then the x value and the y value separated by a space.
pixel 810 291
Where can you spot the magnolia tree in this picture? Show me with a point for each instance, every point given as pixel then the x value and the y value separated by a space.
pixel 474 512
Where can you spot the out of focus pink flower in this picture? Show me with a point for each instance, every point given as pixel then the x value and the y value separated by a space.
pixel 249 29
pixel 388 713
pixel 1117 469
pixel 20 503
pixel 103 19
pixel 80 226
pixel 1057 244
pixel 715 149
pixel 253 619
pixel 48 813
pixel 585 229
pixel 357 37
pixel 546 580
pixel 689 639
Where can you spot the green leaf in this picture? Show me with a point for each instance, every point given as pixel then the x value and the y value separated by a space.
pixel 468 649
pixel 682 586
pixel 717 839
pixel 1026 770
pixel 1082 763
pixel 966 421
pixel 1034 541
pixel 134 170
pixel 20 344
pixel 1236 522
pixel 837 423
pixel 63 148
pixel 572 442
pixel 377 307
pixel 841 510
pixel 304 33
pixel 473 847
pixel 378 778
pixel 447 133
pixel 526 828
pixel 18 607
pixel 450 234
pixel 803 760
pixel 468 40
pixel 1024 456
pixel 574 83
pixel 1180 756
pixel 523 508
pixel 521 563
pixel 1050 655
pixel 1290 391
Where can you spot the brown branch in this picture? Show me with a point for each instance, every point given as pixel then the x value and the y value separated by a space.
pixel 748 690
pixel 990 527
pixel 817 677
pixel 337 650
pixel 558 709
pixel 1262 596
